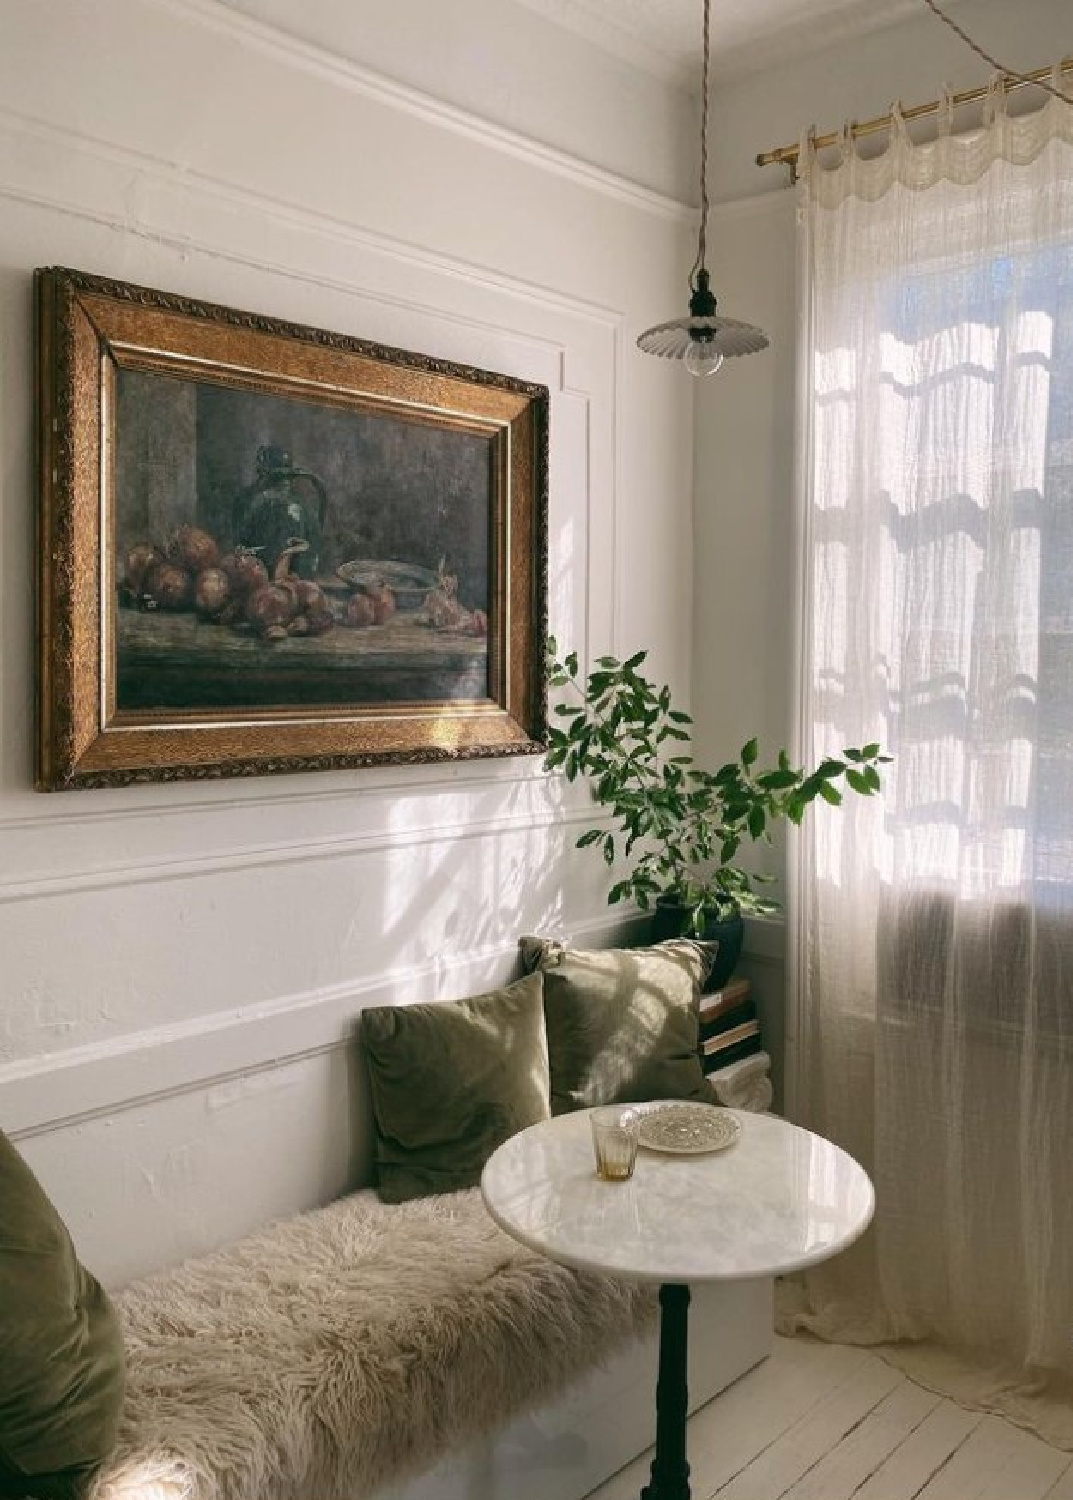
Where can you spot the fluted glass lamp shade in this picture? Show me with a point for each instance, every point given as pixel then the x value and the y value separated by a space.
pixel 704 334
pixel 702 340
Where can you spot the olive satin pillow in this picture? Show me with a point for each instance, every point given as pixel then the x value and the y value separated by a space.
pixel 451 1081
pixel 622 1022
pixel 61 1348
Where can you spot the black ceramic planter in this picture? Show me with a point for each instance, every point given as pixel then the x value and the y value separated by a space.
pixel 672 920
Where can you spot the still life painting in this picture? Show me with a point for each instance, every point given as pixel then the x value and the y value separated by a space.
pixel 265 547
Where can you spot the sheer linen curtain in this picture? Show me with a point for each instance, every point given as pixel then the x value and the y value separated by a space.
pixel 934 1011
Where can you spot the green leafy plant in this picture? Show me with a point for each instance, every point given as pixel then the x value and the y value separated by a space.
pixel 681 826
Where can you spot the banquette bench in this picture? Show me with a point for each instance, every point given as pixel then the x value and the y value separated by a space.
pixel 339 1354
pixel 394 1344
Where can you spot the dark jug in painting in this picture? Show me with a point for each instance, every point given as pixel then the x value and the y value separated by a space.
pixel 283 503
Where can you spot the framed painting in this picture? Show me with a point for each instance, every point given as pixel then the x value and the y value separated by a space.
pixel 265 547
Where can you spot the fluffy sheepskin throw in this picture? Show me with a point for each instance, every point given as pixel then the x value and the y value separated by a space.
pixel 336 1351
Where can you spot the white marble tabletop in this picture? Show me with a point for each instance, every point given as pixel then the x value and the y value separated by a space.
pixel 777 1200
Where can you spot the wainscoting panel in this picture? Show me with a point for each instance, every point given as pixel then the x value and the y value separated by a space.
pixel 183 965
pixel 192 1134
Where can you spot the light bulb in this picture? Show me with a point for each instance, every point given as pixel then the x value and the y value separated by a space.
pixel 701 359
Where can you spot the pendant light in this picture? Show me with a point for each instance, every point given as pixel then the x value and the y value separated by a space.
pixel 703 340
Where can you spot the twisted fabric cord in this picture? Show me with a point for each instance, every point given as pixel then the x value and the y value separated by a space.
pixel 699 262
pixel 992 61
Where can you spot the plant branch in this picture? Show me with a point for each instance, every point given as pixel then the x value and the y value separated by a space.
pixel 690 823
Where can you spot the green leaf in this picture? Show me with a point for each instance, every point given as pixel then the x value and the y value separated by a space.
pixel 858 782
pixel 872 750
pixel 749 753
pixel 774 781
pixel 830 794
pixel 635 661
pixel 871 776
pixel 590 837
pixel 756 821
pixel 609 849
pixel 678 716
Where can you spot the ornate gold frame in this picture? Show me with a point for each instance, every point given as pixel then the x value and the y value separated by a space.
pixel 87 326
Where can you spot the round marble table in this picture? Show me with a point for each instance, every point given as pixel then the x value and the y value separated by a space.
pixel 777 1200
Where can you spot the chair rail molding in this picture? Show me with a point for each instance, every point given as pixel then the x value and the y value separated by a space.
pixel 207 1051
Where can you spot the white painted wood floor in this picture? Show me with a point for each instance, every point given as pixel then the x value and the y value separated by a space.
pixel 825 1422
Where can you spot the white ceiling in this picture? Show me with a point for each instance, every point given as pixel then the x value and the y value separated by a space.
pixel 664 36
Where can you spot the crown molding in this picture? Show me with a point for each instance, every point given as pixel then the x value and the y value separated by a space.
pixel 215 16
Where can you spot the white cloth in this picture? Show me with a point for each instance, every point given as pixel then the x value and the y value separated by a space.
pixel 935 1009
pixel 755 1097
pixel 744 1084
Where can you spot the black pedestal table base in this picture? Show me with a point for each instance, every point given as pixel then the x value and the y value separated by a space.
pixel 670 1469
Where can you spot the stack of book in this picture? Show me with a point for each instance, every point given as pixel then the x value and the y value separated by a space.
pixel 737 1068
pixel 729 1029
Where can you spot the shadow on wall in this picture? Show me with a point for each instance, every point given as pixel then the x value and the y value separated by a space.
pixel 476 891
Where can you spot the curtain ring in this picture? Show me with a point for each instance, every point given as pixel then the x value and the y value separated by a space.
pixel 805 164
pixel 995 102
pixel 944 115
pixel 847 144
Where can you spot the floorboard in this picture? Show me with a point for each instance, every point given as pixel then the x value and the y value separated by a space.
pixel 827 1422
pixel 1063 1490
pixel 773 1472
pixel 728 1434
pixel 843 1470
pixel 909 1468
pixel 997 1462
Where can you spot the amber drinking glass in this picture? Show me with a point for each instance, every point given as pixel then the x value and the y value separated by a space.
pixel 614 1142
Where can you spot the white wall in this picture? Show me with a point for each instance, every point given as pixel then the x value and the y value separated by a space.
pixel 745 568
pixel 514 69
pixel 183 965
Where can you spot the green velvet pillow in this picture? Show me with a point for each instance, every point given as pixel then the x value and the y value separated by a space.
pixel 61 1348
pixel 450 1082
pixel 622 1022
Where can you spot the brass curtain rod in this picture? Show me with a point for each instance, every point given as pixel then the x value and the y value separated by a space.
pixel 789 154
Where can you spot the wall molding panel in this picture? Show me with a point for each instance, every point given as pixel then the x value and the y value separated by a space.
pixel 470 126
pixel 289 852
pixel 210 1050
pixel 84 172
pixel 580 365
pixel 184 964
